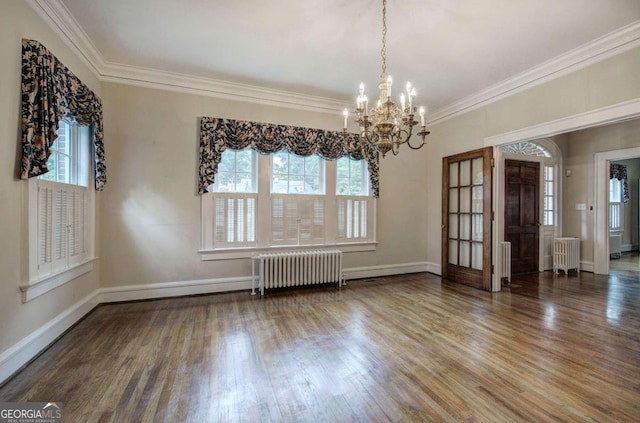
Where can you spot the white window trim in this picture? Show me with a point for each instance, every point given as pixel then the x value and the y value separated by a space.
pixel 209 252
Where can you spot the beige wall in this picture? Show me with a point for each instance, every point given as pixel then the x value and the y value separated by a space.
pixel 151 213
pixel 17 320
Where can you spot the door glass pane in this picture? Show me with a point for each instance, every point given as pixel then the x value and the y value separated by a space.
pixel 476 255
pixel 476 168
pixel 453 226
pixel 465 254
pixel 465 172
pixel 465 200
pixel 476 228
pixel 465 226
pixel 453 200
pixel 477 200
pixel 453 174
pixel 453 252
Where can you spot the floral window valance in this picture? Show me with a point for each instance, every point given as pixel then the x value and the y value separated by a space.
pixel 51 92
pixel 216 135
pixel 619 172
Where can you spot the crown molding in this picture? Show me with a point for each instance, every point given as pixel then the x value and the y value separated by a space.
pixel 58 17
pixel 614 43
pixel 178 82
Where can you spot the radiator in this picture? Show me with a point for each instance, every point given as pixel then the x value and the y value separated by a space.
pixel 566 254
pixel 505 264
pixel 297 268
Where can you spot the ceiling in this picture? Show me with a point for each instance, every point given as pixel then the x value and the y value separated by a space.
pixel 450 50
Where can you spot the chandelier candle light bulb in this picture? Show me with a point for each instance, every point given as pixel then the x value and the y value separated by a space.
pixel 387 126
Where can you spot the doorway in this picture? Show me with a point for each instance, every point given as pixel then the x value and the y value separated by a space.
pixel 610 114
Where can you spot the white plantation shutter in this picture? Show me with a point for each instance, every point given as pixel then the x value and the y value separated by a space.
pixel 45 229
pixel 234 220
pixel 353 218
pixel 61 226
pixel 297 219
pixel 77 224
pixel 60 234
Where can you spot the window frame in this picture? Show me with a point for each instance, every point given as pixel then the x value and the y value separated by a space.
pixel 40 280
pixel 209 251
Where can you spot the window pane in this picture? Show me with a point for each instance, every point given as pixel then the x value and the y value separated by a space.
pixel 296 165
pixel 296 184
pixel 352 177
pixel 244 161
pixel 280 163
pixel 312 166
pixel 228 162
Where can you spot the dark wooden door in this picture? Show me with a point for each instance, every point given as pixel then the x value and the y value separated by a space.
pixel 466 218
pixel 522 223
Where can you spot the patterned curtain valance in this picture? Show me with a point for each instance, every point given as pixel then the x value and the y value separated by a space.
pixel 619 172
pixel 216 135
pixel 51 92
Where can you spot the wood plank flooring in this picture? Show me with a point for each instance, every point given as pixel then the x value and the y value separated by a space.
pixel 402 348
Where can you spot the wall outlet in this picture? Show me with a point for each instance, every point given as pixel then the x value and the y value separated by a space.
pixel 581 206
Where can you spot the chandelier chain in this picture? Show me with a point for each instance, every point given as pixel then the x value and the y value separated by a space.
pixel 383 52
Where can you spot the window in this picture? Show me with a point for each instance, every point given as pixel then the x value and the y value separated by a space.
pixel 547 205
pixel 615 204
pixel 280 200
pixel 234 203
pixel 61 209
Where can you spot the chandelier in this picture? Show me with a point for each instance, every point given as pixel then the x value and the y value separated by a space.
pixel 387 126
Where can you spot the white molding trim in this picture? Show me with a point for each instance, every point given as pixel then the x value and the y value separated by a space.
pixel 609 45
pixel 57 16
pixel 173 289
pixel 30 346
pixel 384 270
pixel 586 266
pixel 189 84
pixel 435 268
pixel 609 114
pixel 39 287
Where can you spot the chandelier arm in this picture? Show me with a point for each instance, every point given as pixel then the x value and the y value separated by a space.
pixel 419 146
pixel 395 149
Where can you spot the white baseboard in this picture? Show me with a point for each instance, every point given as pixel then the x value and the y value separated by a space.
pixel 384 270
pixel 435 268
pixel 628 247
pixel 173 289
pixel 587 266
pixel 30 346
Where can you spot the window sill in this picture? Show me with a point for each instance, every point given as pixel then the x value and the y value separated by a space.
pixel 41 286
pixel 239 253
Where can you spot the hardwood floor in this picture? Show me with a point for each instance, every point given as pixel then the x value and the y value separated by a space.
pixel 627 265
pixel 401 348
